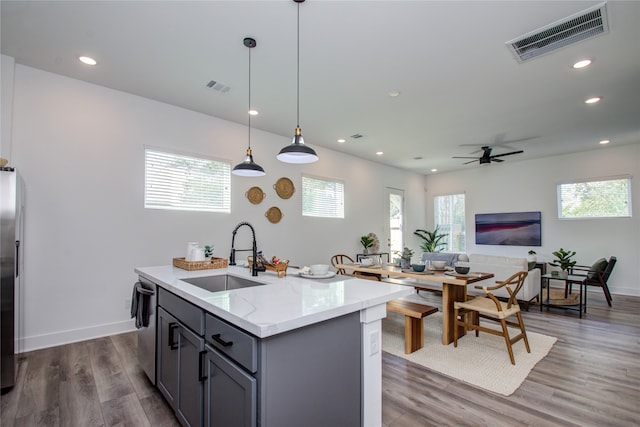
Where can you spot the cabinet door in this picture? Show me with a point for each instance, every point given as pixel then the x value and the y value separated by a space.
pixel 231 393
pixel 191 376
pixel 167 349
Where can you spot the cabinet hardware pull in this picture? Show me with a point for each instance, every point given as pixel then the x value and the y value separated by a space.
pixel 201 361
pixel 219 340
pixel 172 328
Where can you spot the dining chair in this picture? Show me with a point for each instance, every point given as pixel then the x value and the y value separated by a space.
pixel 346 259
pixel 468 313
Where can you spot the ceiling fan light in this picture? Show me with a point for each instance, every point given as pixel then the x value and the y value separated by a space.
pixel 248 167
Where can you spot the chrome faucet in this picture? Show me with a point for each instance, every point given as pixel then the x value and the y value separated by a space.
pixel 254 249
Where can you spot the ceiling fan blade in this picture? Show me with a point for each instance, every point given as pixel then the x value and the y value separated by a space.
pixel 496 160
pixel 466 163
pixel 507 154
pixel 456 157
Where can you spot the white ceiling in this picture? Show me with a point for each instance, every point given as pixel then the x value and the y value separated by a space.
pixel 458 82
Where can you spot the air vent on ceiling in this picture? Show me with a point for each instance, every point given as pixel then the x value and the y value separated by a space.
pixel 580 26
pixel 220 87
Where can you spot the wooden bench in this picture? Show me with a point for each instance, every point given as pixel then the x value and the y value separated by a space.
pixel 413 325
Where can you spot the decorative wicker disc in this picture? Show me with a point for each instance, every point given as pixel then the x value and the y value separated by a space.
pixel 284 187
pixel 255 195
pixel 273 214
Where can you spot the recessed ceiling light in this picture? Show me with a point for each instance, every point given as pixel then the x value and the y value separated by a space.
pixel 604 141
pixel 593 100
pixel 253 113
pixel 379 153
pixel 582 63
pixel 87 60
pixel 342 140
pixel 394 93
pixel 434 170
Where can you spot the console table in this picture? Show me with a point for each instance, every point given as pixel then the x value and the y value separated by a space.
pixel 360 256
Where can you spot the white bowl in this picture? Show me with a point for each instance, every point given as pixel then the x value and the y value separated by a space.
pixel 439 265
pixel 319 269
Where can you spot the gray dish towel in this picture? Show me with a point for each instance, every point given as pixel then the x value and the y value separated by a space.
pixel 140 305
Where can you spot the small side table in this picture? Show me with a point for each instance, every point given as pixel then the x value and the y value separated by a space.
pixel 569 279
pixel 360 256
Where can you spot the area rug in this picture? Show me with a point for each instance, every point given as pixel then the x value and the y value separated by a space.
pixel 482 361
pixel 557 297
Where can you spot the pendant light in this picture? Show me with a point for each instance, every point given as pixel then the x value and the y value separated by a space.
pixel 297 151
pixel 248 167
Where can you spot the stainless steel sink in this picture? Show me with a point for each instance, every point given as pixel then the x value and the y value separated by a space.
pixel 223 282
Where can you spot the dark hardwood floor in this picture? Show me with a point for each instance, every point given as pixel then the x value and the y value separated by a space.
pixel 591 377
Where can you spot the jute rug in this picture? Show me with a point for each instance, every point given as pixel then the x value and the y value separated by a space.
pixel 557 298
pixel 482 361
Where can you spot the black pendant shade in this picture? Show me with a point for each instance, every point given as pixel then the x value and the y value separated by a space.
pixel 248 167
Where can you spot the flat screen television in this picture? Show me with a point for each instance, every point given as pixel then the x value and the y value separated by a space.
pixel 513 229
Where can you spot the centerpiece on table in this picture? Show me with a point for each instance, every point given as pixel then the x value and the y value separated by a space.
pixel 405 258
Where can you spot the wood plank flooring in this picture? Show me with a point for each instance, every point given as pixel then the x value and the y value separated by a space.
pixel 591 377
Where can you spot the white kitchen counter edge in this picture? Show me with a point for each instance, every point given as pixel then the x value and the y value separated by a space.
pixel 282 304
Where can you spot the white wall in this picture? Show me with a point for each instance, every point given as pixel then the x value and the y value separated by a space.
pixel 517 186
pixel 79 148
pixel 6 106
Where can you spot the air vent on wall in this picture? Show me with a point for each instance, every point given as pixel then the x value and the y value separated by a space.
pixel 220 87
pixel 580 26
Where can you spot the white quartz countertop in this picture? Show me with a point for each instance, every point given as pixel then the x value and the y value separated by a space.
pixel 282 304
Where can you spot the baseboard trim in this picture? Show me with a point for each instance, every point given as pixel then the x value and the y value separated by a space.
pixel 74 335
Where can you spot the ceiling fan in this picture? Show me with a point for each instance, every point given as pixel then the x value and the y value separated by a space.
pixel 486 157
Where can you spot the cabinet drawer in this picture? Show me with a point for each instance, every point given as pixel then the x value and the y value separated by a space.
pixel 187 313
pixel 233 342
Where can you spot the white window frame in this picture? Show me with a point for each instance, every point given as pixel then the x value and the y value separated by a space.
pixel 451 233
pixel 334 209
pixel 561 187
pixel 187 188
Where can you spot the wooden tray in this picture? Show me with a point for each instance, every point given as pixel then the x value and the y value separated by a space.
pixel 280 268
pixel 200 265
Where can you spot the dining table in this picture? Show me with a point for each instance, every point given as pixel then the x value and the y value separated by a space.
pixel 453 286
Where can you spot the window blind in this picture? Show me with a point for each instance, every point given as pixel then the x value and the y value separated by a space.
pixel 322 198
pixel 181 182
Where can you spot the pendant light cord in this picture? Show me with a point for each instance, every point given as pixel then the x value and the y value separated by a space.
pixel 249 111
pixel 298 76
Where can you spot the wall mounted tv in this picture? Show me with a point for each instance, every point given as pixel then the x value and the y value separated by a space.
pixel 514 229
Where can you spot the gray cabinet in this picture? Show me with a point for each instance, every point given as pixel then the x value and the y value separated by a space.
pixel 231 393
pixel 180 351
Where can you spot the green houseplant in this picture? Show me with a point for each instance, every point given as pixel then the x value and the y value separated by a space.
pixel 367 242
pixel 432 241
pixel 405 257
pixel 563 259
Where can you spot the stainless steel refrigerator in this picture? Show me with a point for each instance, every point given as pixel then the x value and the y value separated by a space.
pixel 11 262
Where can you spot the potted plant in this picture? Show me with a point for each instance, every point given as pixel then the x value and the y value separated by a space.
pixel 563 260
pixel 367 242
pixel 405 257
pixel 431 240
pixel 208 251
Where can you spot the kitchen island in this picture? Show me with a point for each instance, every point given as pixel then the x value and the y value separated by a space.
pixel 313 345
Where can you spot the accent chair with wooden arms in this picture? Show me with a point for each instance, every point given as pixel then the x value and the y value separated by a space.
pixel 467 314
pixel 596 275
pixel 346 259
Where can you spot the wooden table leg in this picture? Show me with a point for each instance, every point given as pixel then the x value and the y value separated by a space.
pixel 450 294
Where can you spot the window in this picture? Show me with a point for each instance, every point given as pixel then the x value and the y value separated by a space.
pixel 603 198
pixel 396 220
pixel 322 198
pixel 181 182
pixel 450 219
